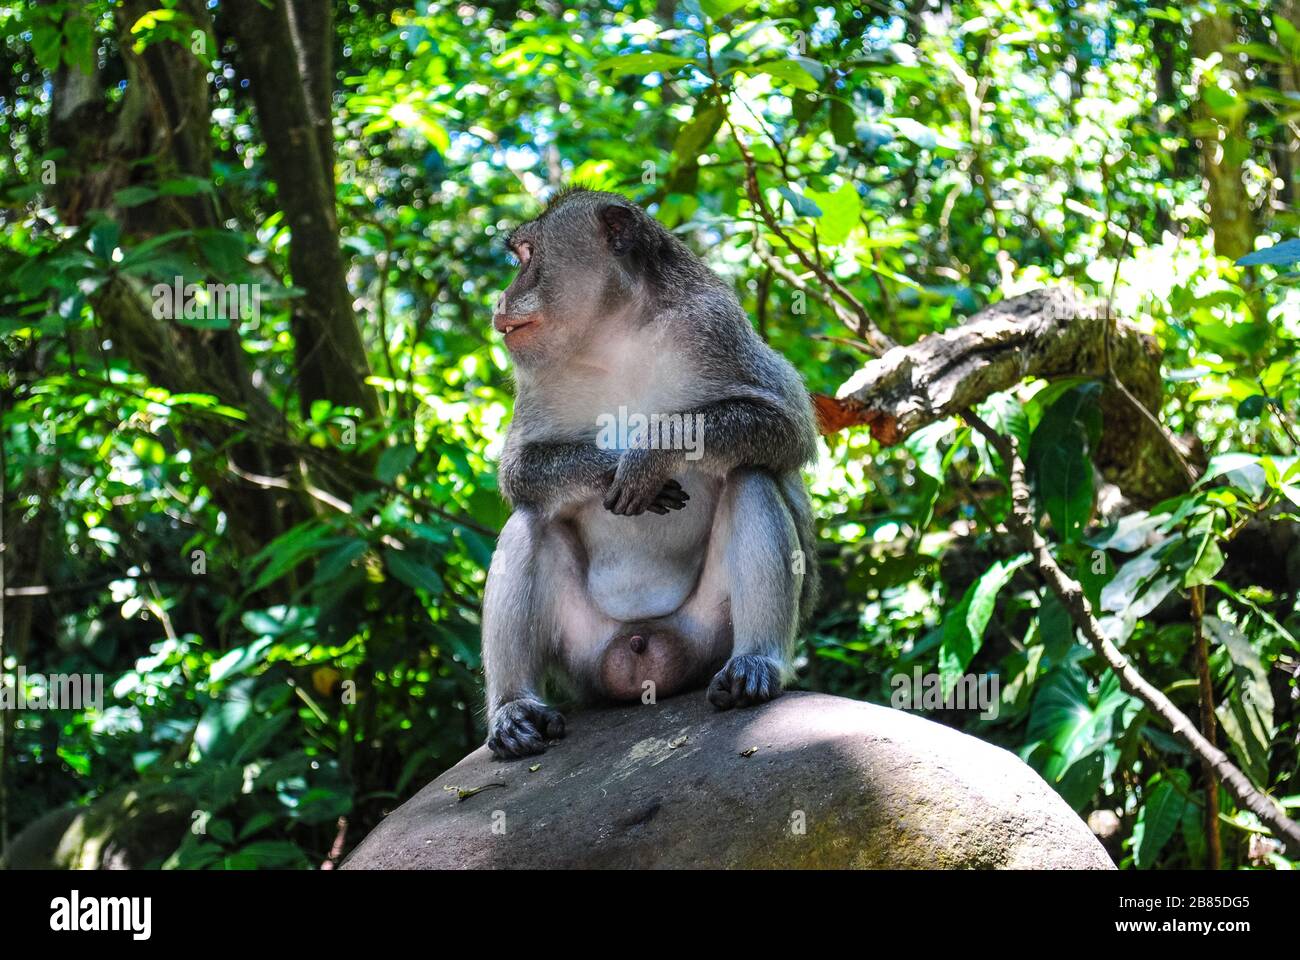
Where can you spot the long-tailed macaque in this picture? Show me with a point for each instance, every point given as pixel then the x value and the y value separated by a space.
pixel 657 558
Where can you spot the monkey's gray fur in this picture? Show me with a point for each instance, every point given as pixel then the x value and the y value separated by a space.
pixel 624 571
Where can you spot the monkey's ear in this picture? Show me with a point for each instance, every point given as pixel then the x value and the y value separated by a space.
pixel 619 223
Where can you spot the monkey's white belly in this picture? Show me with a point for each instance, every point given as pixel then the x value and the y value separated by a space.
pixel 642 568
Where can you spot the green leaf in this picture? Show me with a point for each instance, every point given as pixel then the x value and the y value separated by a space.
pixel 1252 406
pixel 802 205
pixel 287 551
pixel 1193 828
pixel 239 660
pixel 1064 480
pixel 1073 726
pixel 841 116
pixel 1056 627
pixel 717 9
pixel 412 572
pixel 78 762
pixel 216 730
pixel 1280 254
pixel 1257 51
pixel 963 628
pixel 266 854
pixel 1005 414
pixel 134 196
pixel 924 446
pixel 338 560
pixel 840 210
pixel 922 135
pixel 698 132
pixel 258 821
pixel 799 72
pixel 143 251
pixel 1241 470
pixel 1208 562
pixel 640 64
pixel 395 461
pixel 152 18
pixel 1159 818
pixel 279 621
pixel 104 237
pixel 1129 533
pixel 1289 35
pixel 224 250
pixel 477 546
pixel 1058 464
pixel 187 186
pixel 1247 714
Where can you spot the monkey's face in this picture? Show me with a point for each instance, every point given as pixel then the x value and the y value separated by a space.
pixel 571 279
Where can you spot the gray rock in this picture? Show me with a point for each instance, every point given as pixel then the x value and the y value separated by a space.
pixel 668 785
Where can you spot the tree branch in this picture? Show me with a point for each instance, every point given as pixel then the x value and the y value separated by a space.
pixel 1045 333
pixel 1072 597
pixel 860 321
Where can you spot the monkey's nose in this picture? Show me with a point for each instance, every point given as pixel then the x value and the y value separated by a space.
pixel 637 643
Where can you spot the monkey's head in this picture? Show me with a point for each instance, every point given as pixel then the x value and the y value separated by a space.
pixel 588 260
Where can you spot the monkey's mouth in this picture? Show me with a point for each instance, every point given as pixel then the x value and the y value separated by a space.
pixel 512 326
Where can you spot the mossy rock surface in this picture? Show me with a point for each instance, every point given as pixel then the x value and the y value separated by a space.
pixel 806 781
pixel 129 828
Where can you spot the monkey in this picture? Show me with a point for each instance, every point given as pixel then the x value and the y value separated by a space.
pixel 642 567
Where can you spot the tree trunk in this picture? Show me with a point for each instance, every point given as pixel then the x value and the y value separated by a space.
pixel 1287 140
pixel 284 52
pixel 1220 127
pixel 160 130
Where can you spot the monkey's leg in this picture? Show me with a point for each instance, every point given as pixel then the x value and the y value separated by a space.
pixel 537 614
pixel 763 580
pixel 518 641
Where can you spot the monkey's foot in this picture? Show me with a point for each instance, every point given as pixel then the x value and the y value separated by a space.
pixel 520 728
pixel 745 681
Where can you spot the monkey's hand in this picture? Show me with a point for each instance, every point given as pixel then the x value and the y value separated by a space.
pixel 643 481
pixel 745 681
pixel 519 728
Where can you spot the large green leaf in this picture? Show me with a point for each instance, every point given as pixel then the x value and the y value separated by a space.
pixel 1278 255
pixel 1247 714
pixel 963 629
pixel 394 461
pixel 292 548
pixel 840 210
pixel 1074 728
pixel 717 9
pixel 412 572
pixel 698 132
pixel 1159 817
pixel 1058 463
pixel 641 64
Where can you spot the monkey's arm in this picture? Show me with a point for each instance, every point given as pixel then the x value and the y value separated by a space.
pixel 741 432
pixel 550 475
pixel 545 474
pixel 745 432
